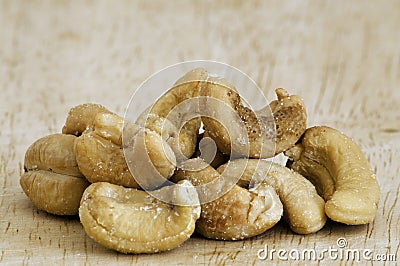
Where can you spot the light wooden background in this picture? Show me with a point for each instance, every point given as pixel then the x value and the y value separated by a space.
pixel 342 57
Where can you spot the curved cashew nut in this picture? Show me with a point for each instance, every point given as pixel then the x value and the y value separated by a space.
pixel 54 193
pixel 340 172
pixel 53 153
pixel 303 208
pixel 289 117
pixel 100 156
pixel 180 130
pixel 52 180
pixel 81 118
pixel 131 221
pixel 240 213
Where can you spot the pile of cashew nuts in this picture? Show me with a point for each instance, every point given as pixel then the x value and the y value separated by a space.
pixel 145 187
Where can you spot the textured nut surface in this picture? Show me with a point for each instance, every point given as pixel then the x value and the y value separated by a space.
pixel 340 172
pixel 290 119
pixel 100 156
pixel 223 125
pixel 81 118
pixel 53 153
pixel 131 221
pixel 54 193
pixel 228 122
pixel 240 213
pixel 303 207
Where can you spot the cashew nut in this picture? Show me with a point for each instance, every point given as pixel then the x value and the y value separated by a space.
pixel 81 118
pixel 303 207
pixel 241 213
pixel 340 172
pixel 100 156
pixel 239 131
pixel 290 119
pixel 53 153
pixel 131 221
pixel 52 179
pixel 54 193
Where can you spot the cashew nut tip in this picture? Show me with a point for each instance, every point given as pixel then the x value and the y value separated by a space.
pixel 341 173
pixel 290 119
pixel 81 118
pixel 132 221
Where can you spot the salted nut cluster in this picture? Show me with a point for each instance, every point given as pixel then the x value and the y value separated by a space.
pixel 85 170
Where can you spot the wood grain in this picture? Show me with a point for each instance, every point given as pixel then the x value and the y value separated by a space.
pixel 343 58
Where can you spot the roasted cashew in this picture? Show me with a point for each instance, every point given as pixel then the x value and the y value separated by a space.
pixel 54 193
pixel 131 221
pixel 240 213
pixel 289 117
pixel 53 153
pixel 340 172
pixel 100 156
pixel 303 208
pixel 172 117
pixel 81 118
pixel 52 179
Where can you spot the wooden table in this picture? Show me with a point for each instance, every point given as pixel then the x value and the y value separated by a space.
pixel 342 57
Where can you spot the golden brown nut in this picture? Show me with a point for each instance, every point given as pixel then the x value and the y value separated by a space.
pixel 290 119
pixel 81 118
pixel 53 153
pixel 54 193
pixel 52 179
pixel 240 131
pixel 131 221
pixel 340 172
pixel 101 157
pixel 238 214
pixel 303 207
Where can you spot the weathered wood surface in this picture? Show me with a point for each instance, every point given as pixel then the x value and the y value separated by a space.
pixel 342 57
